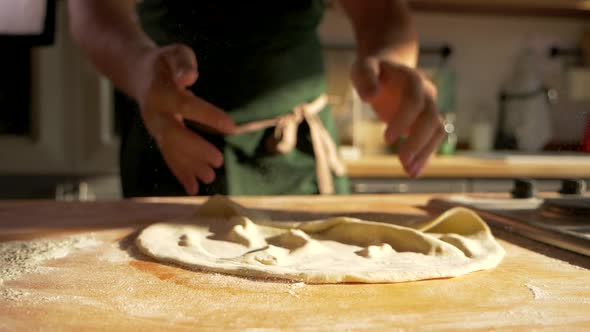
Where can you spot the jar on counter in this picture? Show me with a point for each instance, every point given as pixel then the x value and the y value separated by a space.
pixel 368 130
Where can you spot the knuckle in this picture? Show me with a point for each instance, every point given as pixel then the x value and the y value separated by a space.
pixel 181 52
pixel 171 50
pixel 180 48
pixel 160 65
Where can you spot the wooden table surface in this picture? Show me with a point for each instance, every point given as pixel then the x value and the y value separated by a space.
pixel 473 167
pixel 110 286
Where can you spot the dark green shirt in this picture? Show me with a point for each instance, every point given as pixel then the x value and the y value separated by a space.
pixel 257 60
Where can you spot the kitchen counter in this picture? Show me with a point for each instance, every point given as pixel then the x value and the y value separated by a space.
pixel 106 284
pixel 485 166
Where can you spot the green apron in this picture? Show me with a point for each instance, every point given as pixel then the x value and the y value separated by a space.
pixel 257 60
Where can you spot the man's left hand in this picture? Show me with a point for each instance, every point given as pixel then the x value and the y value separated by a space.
pixel 406 101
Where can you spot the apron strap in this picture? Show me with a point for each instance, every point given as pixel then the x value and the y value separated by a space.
pixel 324 148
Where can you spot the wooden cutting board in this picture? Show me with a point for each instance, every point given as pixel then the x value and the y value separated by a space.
pixel 106 284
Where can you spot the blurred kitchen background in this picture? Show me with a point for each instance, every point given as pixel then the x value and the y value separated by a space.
pixel 514 90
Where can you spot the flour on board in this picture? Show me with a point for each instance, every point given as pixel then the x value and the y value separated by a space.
pixel 24 257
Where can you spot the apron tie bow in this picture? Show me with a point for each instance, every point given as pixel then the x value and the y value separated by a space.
pixel 285 134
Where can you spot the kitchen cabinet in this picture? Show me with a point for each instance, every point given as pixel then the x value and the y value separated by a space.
pixel 565 8
pixel 68 147
pixel 71 115
pixel 97 143
pixel 42 148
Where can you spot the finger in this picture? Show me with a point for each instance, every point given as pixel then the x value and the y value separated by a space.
pixel 197 168
pixel 429 87
pixel 427 122
pixel 192 165
pixel 364 76
pixel 174 100
pixel 190 107
pixel 201 164
pixel 182 174
pixel 204 173
pixel 409 106
pixel 416 168
pixel 182 63
pixel 202 112
pixel 179 169
pixel 188 144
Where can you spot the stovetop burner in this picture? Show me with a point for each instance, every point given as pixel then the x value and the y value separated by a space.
pixel 562 221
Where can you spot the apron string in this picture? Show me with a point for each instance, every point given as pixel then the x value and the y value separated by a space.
pixel 286 126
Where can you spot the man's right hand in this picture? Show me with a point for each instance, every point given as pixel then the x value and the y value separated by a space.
pixel 161 91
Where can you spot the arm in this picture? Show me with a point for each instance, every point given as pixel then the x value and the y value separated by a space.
pixel 384 28
pixel 385 76
pixel 109 34
pixel 157 77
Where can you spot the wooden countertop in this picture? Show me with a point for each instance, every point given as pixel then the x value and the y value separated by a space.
pixel 474 167
pixel 108 285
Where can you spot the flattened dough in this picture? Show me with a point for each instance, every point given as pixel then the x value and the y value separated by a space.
pixel 227 238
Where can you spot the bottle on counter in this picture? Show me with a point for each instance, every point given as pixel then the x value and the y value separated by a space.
pixel 481 137
pixel 444 78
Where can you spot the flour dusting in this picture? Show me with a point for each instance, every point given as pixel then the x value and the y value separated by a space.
pixel 545 294
pixel 537 292
pixel 114 254
pixel 25 257
pixel 10 294
pixel 294 287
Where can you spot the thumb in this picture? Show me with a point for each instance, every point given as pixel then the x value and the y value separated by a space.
pixel 183 65
pixel 365 77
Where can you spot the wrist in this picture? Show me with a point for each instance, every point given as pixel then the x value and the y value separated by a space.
pixel 406 55
pixel 140 58
pixel 398 44
pixel 385 30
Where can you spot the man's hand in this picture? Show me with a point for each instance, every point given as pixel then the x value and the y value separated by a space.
pixel 165 103
pixel 385 77
pixel 109 32
pixel 405 100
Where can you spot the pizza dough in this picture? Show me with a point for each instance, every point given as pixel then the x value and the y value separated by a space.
pixel 227 238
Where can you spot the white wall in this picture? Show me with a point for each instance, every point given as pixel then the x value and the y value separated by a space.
pixel 485 48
